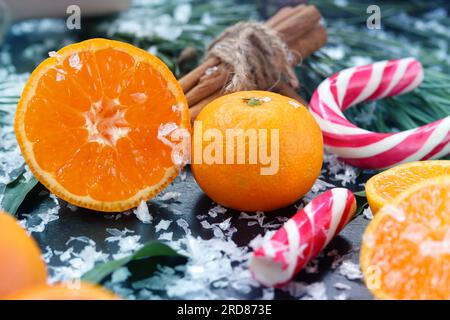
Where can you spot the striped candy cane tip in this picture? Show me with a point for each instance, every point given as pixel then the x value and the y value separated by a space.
pixel 302 237
pixel 372 150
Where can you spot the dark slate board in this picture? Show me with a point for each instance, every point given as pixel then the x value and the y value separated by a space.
pixel 192 202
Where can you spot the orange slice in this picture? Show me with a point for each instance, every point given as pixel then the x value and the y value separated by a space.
pixel 21 265
pixel 405 252
pixel 385 186
pixel 100 124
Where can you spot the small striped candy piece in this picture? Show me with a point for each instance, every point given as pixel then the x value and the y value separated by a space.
pixel 302 237
pixel 367 149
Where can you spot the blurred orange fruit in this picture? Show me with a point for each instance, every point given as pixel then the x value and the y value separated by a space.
pixel 405 251
pixel 21 264
pixel 80 291
pixel 267 150
pixel 98 124
pixel 385 186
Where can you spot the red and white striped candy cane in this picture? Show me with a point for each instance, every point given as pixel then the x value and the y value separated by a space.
pixel 302 237
pixel 367 149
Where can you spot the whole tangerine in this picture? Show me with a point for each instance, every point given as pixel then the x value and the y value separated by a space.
pixel 21 264
pixel 256 150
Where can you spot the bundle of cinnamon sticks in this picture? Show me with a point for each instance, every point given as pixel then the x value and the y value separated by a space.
pixel 299 27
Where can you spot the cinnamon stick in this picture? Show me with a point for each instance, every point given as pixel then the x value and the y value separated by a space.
pixel 208 83
pixel 281 15
pixel 298 26
pixel 192 78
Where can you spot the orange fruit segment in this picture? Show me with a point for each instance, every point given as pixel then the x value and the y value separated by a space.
pixel 61 291
pixel 21 264
pixel 405 252
pixel 96 121
pixel 256 150
pixel 385 186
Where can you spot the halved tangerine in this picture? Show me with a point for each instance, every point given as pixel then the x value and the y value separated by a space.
pixel 385 186
pixel 405 251
pixel 101 124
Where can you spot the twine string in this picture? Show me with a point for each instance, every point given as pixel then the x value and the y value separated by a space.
pixel 256 56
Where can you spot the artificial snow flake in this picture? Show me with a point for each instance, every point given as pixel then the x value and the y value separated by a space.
pixel 211 70
pixel 71 207
pixel 120 275
pixel 342 286
pixel 170 196
pixel 213 212
pixel 350 270
pixel 367 213
pixel 166 236
pixel 142 213
pixel 294 104
pixel 184 225
pixel 75 62
pixel 162 225
pixel 48 254
pixel 76 263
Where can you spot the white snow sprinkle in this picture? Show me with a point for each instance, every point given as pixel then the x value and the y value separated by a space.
pixel 211 70
pixel 350 270
pixel 184 225
pixel 142 213
pixel 71 207
pixel 342 286
pixel 170 196
pixel 162 225
pixel 47 255
pixel 75 62
pixel 166 236
pixel 76 263
pixel 294 104
pixel 367 213
pixel 213 212
pixel 54 54
pixel 259 240
pixel 120 275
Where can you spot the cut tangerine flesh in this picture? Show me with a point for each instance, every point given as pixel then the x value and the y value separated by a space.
pixel 90 124
pixel 385 186
pixel 406 248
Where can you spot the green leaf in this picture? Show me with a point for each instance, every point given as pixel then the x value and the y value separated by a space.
pixel 361 202
pixel 151 249
pixel 361 193
pixel 252 102
pixel 16 191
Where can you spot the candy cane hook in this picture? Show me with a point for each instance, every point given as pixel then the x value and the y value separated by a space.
pixel 302 237
pixel 367 149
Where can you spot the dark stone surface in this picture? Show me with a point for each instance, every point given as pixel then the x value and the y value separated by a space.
pixel 192 202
